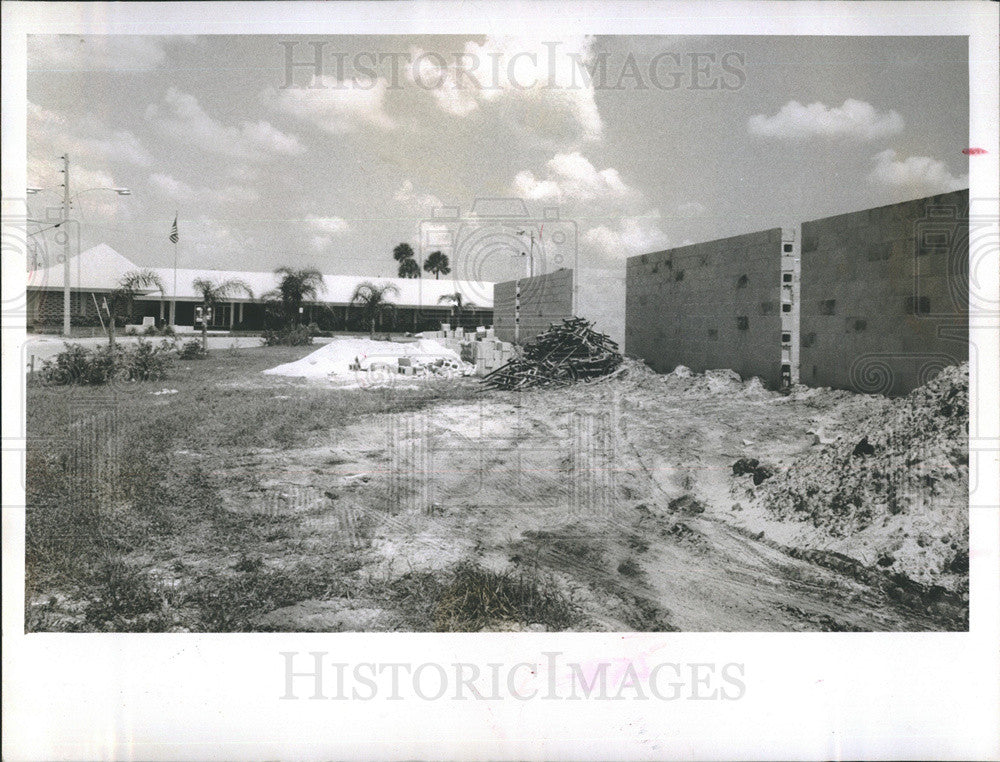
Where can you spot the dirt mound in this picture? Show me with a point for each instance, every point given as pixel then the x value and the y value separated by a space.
pixel 895 490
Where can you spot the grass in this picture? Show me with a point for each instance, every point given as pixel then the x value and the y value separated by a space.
pixel 469 598
pixel 120 481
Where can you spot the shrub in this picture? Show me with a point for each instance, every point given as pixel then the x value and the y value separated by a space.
pixel 80 366
pixel 192 350
pixel 289 337
pixel 165 330
pixel 143 362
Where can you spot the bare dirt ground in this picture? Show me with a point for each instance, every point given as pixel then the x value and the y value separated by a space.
pixel 614 506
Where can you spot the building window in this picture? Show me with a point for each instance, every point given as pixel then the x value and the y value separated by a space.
pixel 786 338
pixel 743 323
pixel 742 282
pixel 879 251
pixel 828 307
pixel 787 248
pixel 933 242
pixel 786 308
pixel 918 305
pixel 786 277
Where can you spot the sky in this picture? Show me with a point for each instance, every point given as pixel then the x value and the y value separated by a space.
pixel 640 143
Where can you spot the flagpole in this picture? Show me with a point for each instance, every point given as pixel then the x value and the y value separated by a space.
pixel 173 310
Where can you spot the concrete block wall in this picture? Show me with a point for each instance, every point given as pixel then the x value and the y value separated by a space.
pixel 545 299
pixel 885 295
pixel 45 307
pixel 709 305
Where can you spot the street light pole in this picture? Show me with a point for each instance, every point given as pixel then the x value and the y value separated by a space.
pixel 66 247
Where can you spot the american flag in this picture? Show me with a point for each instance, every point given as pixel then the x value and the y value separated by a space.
pixel 173 232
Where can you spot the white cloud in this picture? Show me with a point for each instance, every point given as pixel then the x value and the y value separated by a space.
pixel 915 175
pixel 583 192
pixel 183 193
pixel 571 177
pixel 626 237
pixel 181 117
pixel 422 204
pixel 855 119
pixel 334 107
pixel 59 52
pixel 540 82
pixel 328 224
pixel 84 137
pixel 692 209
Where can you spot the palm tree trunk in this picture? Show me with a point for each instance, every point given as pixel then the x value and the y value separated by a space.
pixel 204 326
pixel 371 333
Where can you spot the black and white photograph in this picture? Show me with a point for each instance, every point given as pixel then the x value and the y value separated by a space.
pixel 449 329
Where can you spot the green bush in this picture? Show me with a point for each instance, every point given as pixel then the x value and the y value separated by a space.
pixel 165 330
pixel 288 337
pixel 143 362
pixel 192 350
pixel 77 365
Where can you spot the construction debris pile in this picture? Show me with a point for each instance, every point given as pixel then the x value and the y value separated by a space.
pixel 897 486
pixel 563 354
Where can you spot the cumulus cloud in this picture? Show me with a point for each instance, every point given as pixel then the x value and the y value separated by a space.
pixel 417 203
pixel 571 177
pixel 64 52
pixel 915 175
pixel 627 236
pixel 181 117
pixel 542 84
pixel 329 225
pixel 854 119
pixel 183 193
pixel 692 209
pixel 628 224
pixel 333 106
pixel 85 137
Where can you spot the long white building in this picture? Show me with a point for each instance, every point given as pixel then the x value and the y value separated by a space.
pixel 97 271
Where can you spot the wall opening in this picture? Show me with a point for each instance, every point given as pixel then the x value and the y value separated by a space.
pixel 918 305
pixel 786 277
pixel 742 282
pixel 786 308
pixel 786 338
pixel 787 248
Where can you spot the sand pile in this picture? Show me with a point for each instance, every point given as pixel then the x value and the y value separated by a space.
pixel 346 356
pixel 896 488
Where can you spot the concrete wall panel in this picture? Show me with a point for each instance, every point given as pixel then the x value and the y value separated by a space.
pixel 878 266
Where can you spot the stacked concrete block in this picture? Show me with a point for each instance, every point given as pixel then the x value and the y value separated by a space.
pixel 709 305
pixel 885 295
pixel 545 299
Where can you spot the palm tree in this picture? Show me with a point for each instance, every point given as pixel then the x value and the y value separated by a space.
pixel 295 287
pixel 372 302
pixel 402 252
pixel 437 263
pixel 212 293
pixel 458 304
pixel 409 268
pixel 121 300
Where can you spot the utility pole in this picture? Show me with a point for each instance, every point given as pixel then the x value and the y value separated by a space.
pixel 66 247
